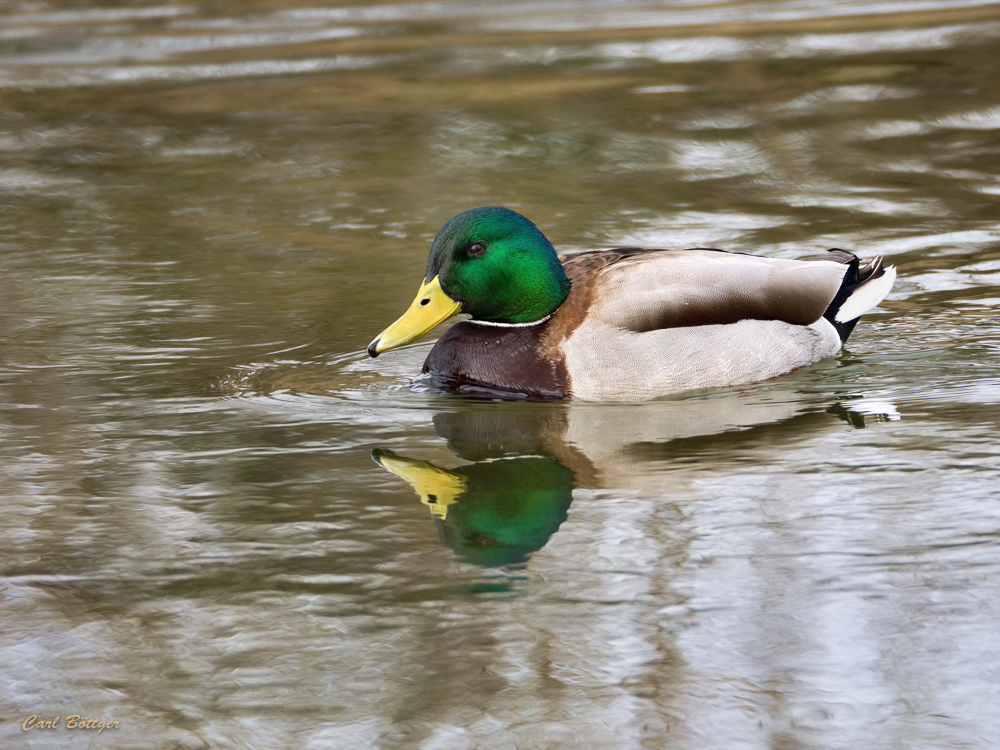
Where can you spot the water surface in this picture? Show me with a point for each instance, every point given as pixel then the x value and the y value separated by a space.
pixel 209 210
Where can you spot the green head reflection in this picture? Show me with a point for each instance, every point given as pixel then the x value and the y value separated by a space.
pixel 494 512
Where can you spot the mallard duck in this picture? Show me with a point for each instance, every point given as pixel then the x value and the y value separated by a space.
pixel 624 324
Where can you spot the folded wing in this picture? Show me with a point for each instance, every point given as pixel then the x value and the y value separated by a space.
pixel 646 290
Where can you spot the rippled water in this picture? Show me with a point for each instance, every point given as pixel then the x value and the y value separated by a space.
pixel 209 210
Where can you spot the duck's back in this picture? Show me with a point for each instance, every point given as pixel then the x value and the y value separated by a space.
pixel 666 321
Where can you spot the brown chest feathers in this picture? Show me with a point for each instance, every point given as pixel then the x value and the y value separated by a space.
pixel 482 360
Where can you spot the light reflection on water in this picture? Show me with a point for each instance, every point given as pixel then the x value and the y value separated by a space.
pixel 209 212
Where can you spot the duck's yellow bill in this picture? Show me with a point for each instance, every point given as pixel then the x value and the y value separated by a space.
pixel 436 487
pixel 431 307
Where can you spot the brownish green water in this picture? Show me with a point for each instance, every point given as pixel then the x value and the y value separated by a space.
pixel 208 210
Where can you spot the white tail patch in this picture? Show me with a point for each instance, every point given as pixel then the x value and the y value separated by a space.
pixel 867 296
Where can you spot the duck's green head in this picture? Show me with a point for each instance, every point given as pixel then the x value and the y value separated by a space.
pixel 489 262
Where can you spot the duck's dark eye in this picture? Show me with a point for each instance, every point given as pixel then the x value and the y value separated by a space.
pixel 476 249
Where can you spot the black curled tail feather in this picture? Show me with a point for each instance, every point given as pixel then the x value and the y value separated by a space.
pixel 857 275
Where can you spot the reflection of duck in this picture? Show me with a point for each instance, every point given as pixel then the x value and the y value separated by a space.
pixel 529 457
pixel 624 324
pixel 639 446
pixel 491 513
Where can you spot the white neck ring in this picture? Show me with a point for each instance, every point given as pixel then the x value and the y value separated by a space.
pixel 509 325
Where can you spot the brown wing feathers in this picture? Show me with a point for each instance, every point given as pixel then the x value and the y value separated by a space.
pixel 645 290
